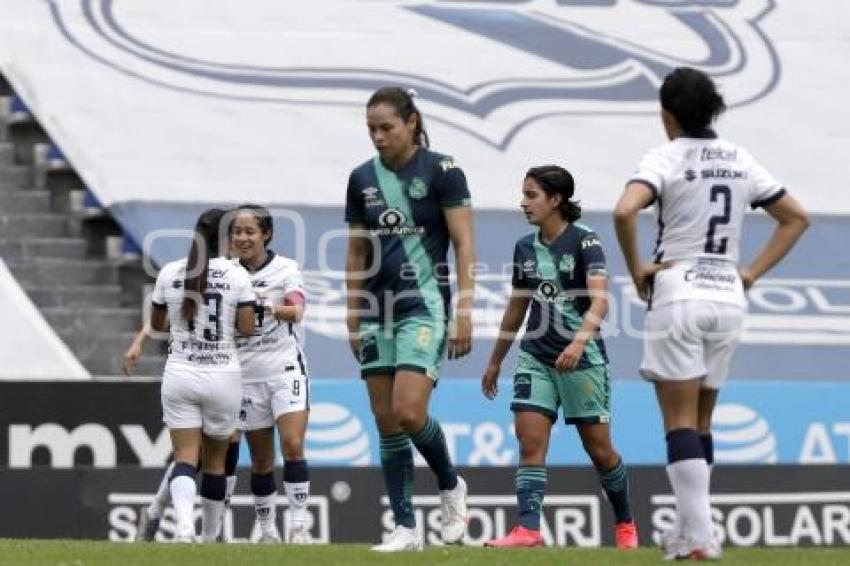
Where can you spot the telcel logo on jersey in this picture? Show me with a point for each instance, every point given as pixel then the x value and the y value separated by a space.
pixel 566 520
pixel 335 436
pixel 742 436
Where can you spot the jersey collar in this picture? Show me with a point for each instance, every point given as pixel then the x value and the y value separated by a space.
pixel 269 258
pixel 706 134
pixel 557 238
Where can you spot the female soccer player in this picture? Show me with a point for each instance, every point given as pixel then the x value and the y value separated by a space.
pixel 560 271
pixel 203 299
pixel 701 186
pixel 403 207
pixel 274 373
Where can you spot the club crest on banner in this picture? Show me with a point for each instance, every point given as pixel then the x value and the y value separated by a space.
pixel 522 61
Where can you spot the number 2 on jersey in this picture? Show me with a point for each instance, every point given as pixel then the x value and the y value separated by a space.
pixel 712 247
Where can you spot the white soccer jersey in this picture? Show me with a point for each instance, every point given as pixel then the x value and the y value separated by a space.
pixel 276 346
pixel 702 188
pixel 211 341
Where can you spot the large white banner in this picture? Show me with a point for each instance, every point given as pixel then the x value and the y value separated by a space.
pixel 219 101
pixel 29 347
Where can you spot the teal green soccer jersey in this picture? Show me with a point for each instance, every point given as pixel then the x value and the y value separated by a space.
pixel 555 275
pixel 403 212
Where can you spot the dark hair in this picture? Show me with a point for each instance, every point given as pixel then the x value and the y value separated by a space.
pixel 555 180
pixel 261 214
pixel 692 98
pixel 205 244
pixel 402 101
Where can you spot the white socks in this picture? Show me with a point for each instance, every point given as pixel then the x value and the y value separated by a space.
pixel 212 513
pixel 183 491
pixel 690 481
pixel 231 487
pixel 266 510
pixel 297 494
pixel 163 494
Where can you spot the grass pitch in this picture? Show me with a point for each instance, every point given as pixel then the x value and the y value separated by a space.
pixel 28 552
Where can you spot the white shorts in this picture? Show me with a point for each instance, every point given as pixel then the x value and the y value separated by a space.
pixel 200 398
pixel 263 402
pixel 691 339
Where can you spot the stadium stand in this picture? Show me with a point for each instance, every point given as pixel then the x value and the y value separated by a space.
pixel 65 250
pixel 30 349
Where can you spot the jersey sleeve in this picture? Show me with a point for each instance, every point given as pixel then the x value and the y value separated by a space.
pixel 245 295
pixel 293 283
pixel 593 256
pixel 354 212
pixel 453 190
pixel 158 295
pixel 651 171
pixel 518 279
pixel 764 188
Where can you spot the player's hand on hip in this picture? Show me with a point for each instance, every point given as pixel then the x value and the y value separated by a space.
pixel 460 336
pixel 747 279
pixel 489 386
pixel 643 279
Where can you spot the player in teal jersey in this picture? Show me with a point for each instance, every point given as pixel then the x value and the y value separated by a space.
pixel 559 271
pixel 404 207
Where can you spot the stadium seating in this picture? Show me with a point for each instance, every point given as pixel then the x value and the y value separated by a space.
pixel 65 249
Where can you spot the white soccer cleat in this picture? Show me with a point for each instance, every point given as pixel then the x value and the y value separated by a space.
pixel 271 537
pixel 671 541
pixel 400 540
pixel 453 509
pixel 185 533
pixel 298 535
pixel 709 550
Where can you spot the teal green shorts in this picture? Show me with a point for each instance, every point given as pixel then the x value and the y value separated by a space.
pixel 584 395
pixel 413 344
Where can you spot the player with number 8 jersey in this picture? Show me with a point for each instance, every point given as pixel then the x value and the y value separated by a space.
pixel 275 390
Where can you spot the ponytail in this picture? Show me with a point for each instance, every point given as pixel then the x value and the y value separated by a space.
pixel 205 244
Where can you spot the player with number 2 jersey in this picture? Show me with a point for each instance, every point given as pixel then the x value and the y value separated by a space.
pixel 701 186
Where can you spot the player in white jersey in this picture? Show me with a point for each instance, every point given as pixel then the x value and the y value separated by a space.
pixel 701 186
pixel 275 389
pixel 203 300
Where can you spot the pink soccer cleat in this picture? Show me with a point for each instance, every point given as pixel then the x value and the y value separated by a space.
pixel 519 537
pixel 626 536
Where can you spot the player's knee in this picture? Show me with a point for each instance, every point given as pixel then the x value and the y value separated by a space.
pixel 532 447
pixel 408 417
pixel 262 463
pixel 293 448
pixel 385 421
